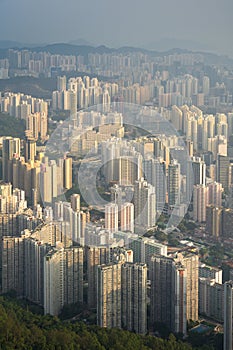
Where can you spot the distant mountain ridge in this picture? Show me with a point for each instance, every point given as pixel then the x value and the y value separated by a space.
pixel 70 49
pixel 164 44
pixel 84 50
pixel 81 41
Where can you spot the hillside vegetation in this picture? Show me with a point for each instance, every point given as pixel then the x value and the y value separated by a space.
pixel 21 329
pixel 10 126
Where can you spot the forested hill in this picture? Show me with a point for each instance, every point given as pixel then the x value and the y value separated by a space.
pixel 10 126
pixel 21 329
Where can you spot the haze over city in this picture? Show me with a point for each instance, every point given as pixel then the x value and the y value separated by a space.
pixel 116 175
pixel 151 24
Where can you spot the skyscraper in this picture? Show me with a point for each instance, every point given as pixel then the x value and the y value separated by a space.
pixel 127 217
pixel 75 202
pixel 111 217
pixel 144 203
pixel 206 85
pixel 214 220
pixel 199 171
pixel 200 201
pixel 155 174
pixel 109 295
pixel 63 278
pixel 134 297
pixel 29 149
pixel 215 193
pixel 173 183
pixel 10 149
pixel 174 290
pixel 168 293
pixel 53 284
pixel 190 261
pixel 223 169
pixel 122 296
pixel 67 176
pixel 35 252
pixel 190 148
pixel 95 256
pixel 12 265
pixel 211 299
pixel 61 83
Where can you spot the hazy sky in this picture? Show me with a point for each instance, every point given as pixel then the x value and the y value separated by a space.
pixel 120 22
